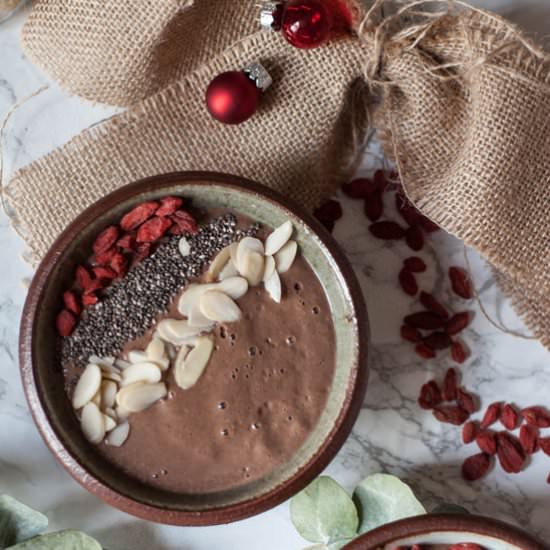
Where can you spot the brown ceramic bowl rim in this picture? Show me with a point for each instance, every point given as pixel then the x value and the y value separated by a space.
pixel 433 523
pixel 348 414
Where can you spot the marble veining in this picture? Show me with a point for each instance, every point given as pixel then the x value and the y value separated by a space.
pixel 392 434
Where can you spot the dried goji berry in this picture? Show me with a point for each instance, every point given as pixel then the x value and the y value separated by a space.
pixel 466 546
pixel 96 284
pixel 476 466
pixel 119 264
pixel 469 432
pixel 127 242
pixel 168 205
pixel 430 395
pixel 414 238
pixel 374 206
pixel 185 222
pixel 425 320
pixel 410 334
pixel 492 414
pixel 458 352
pixel 102 272
pixel 143 251
pixel 460 282
pixel 105 257
pixel 360 188
pixel 431 304
pixel 466 400
pixel 408 282
pixel 138 215
pixel 486 440
pixel 414 264
pixel 89 299
pixel 65 323
pixel 424 351
pixel 451 414
pixel 457 323
pixel 548 479
pixel 529 438
pixel 408 212
pixel 379 180
pixel 509 417
pixel 83 277
pixel 330 210
pixel 438 340
pixel 428 225
pixel 510 453
pixel 105 240
pixel 153 229
pixel 450 385
pixel 71 302
pixel 536 416
pixel 544 443
pixel 387 230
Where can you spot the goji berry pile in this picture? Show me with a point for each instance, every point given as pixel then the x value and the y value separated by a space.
pixel 119 247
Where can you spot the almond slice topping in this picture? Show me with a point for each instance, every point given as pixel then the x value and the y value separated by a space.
pixel 87 386
pixel 273 287
pixel 269 268
pixel 285 257
pixel 198 320
pixel 119 435
pixel 184 247
pixel 138 397
pixel 191 296
pixel 190 366
pixel 230 270
pixel 176 332
pixel 141 372
pixel 234 287
pixel 110 424
pixel 92 423
pixel 217 264
pixel 219 307
pixel 155 349
pixel 252 266
pixel 278 238
pixel 108 394
pixel 122 364
pixel 136 356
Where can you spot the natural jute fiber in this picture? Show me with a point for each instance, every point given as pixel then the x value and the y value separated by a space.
pixel 463 107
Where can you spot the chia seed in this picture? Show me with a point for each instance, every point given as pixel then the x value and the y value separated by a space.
pixel 131 304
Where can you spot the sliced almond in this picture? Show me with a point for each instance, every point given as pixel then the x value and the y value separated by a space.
pixel 269 268
pixel 155 349
pixel 108 393
pixel 234 287
pixel 184 247
pixel 122 413
pixel 101 361
pixel 176 332
pixel 112 376
pixel 233 247
pixel 122 364
pixel 278 238
pixel 141 372
pixel 92 423
pixel 87 386
pixel 110 424
pixel 217 264
pixel 219 307
pixel 109 411
pixel 171 351
pixel 198 320
pixel 119 435
pixel 230 270
pixel 285 257
pixel 273 287
pixel 105 368
pixel 248 244
pixel 163 363
pixel 138 397
pixel 96 399
pixel 191 296
pixel 190 367
pixel 136 356
pixel 252 266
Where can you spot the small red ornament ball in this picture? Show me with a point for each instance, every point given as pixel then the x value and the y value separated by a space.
pixel 232 97
pixel 306 23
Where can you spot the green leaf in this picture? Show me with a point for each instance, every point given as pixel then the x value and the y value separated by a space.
pixel 448 508
pixel 63 540
pixel 18 522
pixel 324 512
pixel 382 498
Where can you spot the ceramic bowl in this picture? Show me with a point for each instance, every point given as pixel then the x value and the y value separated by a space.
pixel 447 529
pixel 43 380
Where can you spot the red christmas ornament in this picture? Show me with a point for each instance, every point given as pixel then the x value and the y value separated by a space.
pixel 306 23
pixel 233 97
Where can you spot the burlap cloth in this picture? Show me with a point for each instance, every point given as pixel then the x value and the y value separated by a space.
pixel 463 106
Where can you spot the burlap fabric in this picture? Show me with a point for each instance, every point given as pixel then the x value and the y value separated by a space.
pixel 464 111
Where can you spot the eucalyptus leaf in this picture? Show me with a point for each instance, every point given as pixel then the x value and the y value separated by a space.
pixel 18 522
pixel 324 512
pixel 382 498
pixel 448 508
pixel 62 540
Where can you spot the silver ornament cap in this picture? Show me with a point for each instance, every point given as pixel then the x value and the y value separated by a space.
pixel 270 15
pixel 258 73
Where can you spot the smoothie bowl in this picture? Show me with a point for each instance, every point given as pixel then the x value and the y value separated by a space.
pixel 193 348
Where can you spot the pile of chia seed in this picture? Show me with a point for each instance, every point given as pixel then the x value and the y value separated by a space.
pixel 130 305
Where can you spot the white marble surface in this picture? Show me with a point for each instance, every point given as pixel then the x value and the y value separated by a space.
pixel 391 435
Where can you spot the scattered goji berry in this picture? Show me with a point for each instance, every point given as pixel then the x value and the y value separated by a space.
pixel 71 302
pixel 466 400
pixel 466 546
pixel 457 323
pixel 438 340
pixel 83 277
pixel 95 285
pixel 424 351
pixel 127 242
pixel 469 432
pixel 460 282
pixel 431 304
pixel 450 385
pixel 492 414
pixel 529 438
pixel 387 230
pixel 153 229
pixel 410 334
pixel 360 188
pixel 458 352
pixel 414 238
pixel 119 264
pixel 408 212
pixel 428 225
pixel 430 395
pixel 536 416
pixel 105 240
pixel 408 282
pixel 510 453
pixel 89 299
pixel 414 264
pixel 486 440
pixel 65 323
pixel 476 466
pixel 105 257
pixel 143 251
pixel 102 272
pixel 138 215
pixel 451 414
pixel 330 210
pixel 185 222
pixel 425 320
pixel 509 417
pixel 168 205
pixel 544 443
pixel 374 206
